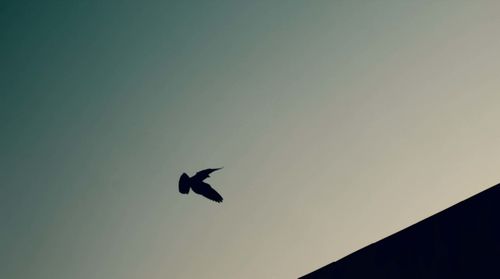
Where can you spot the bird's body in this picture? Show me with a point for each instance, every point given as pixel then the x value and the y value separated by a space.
pixel 198 186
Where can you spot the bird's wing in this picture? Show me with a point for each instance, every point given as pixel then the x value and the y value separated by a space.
pixel 204 174
pixel 184 184
pixel 209 193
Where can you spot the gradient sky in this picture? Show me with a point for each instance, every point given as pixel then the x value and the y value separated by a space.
pixel 337 123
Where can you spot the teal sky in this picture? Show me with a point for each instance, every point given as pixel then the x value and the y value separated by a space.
pixel 337 123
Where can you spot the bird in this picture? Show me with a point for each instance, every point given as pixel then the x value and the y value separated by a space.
pixel 198 185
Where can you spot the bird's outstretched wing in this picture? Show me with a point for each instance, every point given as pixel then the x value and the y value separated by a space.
pixel 209 193
pixel 204 174
pixel 184 184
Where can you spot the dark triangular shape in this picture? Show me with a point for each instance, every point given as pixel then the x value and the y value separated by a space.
pixel 462 241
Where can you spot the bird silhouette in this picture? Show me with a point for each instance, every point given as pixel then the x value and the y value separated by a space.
pixel 198 185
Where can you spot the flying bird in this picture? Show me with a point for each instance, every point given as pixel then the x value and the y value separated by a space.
pixel 198 185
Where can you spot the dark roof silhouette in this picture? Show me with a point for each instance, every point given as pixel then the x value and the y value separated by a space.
pixel 462 241
pixel 198 186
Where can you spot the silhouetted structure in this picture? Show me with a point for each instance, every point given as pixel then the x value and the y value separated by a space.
pixel 462 241
pixel 198 185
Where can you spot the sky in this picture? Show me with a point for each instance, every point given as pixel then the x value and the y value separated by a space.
pixel 337 123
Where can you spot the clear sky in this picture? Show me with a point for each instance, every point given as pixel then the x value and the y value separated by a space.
pixel 337 123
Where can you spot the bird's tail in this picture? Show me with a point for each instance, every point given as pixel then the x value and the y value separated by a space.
pixel 184 184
